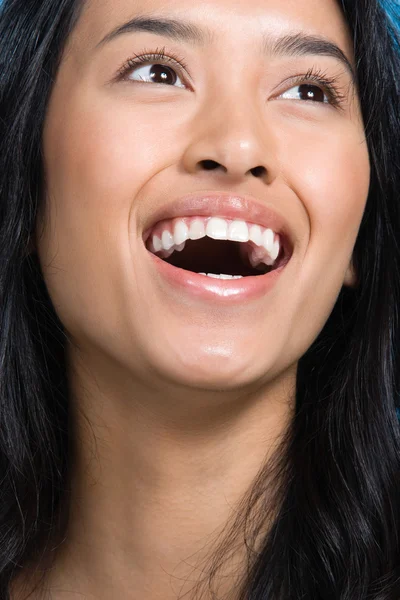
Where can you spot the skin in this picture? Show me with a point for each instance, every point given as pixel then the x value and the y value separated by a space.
pixel 177 402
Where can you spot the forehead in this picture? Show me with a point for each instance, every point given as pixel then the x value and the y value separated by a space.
pixel 236 22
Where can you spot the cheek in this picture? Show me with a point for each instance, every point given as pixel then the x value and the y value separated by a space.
pixel 327 166
pixel 95 167
pixel 335 188
pixel 330 175
pixel 335 181
pixel 99 155
pixel 100 152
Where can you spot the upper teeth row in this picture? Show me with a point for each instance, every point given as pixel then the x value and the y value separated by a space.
pixel 172 235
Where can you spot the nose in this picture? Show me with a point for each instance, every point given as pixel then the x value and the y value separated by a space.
pixel 233 139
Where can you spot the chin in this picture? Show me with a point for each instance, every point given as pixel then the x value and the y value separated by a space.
pixel 214 369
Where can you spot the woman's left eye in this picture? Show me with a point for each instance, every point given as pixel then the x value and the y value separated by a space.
pixel 307 92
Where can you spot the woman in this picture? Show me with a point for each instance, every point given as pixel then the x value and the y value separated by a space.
pixel 199 290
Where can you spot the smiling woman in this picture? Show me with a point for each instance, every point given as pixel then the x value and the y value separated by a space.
pixel 200 288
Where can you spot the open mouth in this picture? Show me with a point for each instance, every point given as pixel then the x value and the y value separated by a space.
pixel 217 257
pixel 219 248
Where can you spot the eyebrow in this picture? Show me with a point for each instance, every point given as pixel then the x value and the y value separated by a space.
pixel 294 44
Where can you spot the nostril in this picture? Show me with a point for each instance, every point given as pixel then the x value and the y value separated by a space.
pixel 209 164
pixel 259 171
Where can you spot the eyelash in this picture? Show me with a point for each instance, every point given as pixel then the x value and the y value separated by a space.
pixel 147 57
pixel 329 85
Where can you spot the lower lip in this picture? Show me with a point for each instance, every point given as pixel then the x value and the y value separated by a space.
pixel 212 289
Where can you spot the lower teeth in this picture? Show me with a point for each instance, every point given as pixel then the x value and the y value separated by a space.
pixel 222 276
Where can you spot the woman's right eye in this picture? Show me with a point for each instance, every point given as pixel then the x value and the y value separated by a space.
pixel 156 73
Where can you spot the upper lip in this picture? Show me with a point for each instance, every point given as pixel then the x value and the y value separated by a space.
pixel 228 205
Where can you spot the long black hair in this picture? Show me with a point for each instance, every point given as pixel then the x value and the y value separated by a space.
pixel 332 492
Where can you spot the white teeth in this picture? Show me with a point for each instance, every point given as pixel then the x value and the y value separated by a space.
pixel 265 249
pixel 222 276
pixel 197 230
pixel 167 240
pixel 238 231
pixel 255 235
pixel 157 244
pixel 276 249
pixel 181 233
pixel 268 240
pixel 217 228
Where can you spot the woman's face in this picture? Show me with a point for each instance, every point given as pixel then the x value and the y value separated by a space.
pixel 267 95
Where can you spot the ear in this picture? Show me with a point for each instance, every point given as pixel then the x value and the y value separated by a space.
pixel 350 278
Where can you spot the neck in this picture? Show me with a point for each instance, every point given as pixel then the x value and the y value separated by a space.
pixel 156 478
